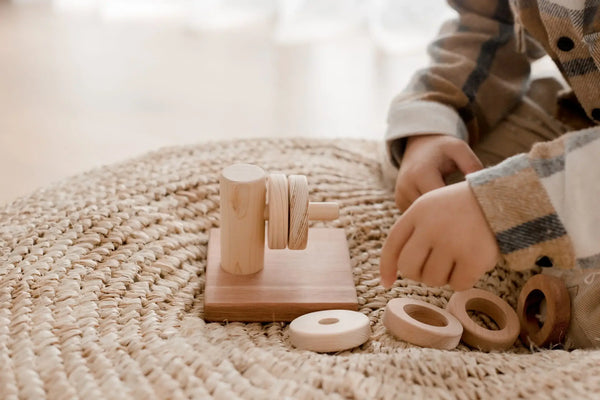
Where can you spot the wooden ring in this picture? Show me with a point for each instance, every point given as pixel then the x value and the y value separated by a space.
pixel 277 198
pixel 494 307
pixel 330 330
pixel 421 323
pixel 558 310
pixel 298 197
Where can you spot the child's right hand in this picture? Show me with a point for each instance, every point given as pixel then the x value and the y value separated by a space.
pixel 427 160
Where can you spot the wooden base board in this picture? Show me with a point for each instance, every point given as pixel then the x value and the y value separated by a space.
pixel 292 283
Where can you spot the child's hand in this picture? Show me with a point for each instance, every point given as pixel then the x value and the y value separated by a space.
pixel 443 238
pixel 426 161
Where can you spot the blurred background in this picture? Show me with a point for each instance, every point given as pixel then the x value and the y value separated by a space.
pixel 90 82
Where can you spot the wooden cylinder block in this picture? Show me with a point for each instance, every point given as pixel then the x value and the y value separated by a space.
pixel 558 310
pixel 298 195
pixel 421 323
pixel 243 196
pixel 493 306
pixel 278 211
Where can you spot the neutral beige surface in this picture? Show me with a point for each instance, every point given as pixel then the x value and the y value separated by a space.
pixel 78 92
pixel 103 287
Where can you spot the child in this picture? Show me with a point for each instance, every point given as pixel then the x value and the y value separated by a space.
pixel 474 106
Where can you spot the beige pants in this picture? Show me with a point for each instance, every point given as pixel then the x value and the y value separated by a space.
pixel 531 122
pixel 534 121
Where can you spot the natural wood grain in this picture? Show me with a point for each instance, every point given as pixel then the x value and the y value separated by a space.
pixel 278 211
pixel 421 323
pixel 558 310
pixel 330 330
pixel 298 230
pixel 292 283
pixel 323 211
pixel 243 195
pixel 493 306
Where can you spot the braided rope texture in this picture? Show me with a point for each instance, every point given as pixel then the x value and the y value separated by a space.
pixel 102 280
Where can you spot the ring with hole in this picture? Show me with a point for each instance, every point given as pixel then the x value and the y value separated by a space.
pixel 422 324
pixel 298 209
pixel 330 330
pixel 494 307
pixel 278 211
pixel 558 310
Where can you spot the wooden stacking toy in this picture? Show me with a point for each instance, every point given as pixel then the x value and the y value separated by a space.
pixel 494 307
pixel 421 323
pixel 330 330
pixel 277 278
pixel 558 311
pixel 426 325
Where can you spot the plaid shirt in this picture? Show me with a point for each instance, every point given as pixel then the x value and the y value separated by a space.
pixel 546 202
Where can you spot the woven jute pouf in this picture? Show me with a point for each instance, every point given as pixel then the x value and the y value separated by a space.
pixel 101 293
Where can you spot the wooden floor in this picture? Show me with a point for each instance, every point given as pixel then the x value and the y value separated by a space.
pixel 79 92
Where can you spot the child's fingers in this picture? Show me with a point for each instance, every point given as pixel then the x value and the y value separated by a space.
pixel 413 257
pixel 467 161
pixel 405 195
pixel 431 181
pixel 398 235
pixel 437 269
pixel 462 277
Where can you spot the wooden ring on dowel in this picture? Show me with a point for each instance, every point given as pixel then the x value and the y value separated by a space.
pixel 558 310
pixel 421 323
pixel 298 228
pixel 278 211
pixel 330 330
pixel 494 307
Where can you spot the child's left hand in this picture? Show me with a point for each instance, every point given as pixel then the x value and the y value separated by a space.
pixel 443 238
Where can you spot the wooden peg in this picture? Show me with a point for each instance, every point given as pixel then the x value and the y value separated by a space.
pixel 242 237
pixel 323 211
pixel 421 323
pixel 558 310
pixel 494 307
pixel 298 197
pixel 278 211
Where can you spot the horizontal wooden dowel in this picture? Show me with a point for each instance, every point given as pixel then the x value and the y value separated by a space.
pixel 323 211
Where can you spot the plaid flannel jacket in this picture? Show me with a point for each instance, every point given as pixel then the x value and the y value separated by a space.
pixel 546 202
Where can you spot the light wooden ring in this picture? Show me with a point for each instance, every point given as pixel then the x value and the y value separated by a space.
pixel 298 197
pixel 558 310
pixel 421 323
pixel 494 307
pixel 277 225
pixel 330 330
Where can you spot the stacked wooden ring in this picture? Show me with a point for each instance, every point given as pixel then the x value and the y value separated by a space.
pixel 288 211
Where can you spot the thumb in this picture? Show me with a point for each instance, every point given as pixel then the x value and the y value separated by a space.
pixel 467 161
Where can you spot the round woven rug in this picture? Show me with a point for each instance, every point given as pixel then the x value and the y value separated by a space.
pixel 102 280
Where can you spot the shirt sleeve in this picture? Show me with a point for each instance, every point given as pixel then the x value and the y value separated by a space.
pixel 543 206
pixel 475 77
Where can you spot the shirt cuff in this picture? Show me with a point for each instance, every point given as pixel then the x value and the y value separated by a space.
pixel 519 211
pixel 420 118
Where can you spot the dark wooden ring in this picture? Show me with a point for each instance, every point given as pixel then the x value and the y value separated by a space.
pixel 558 310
